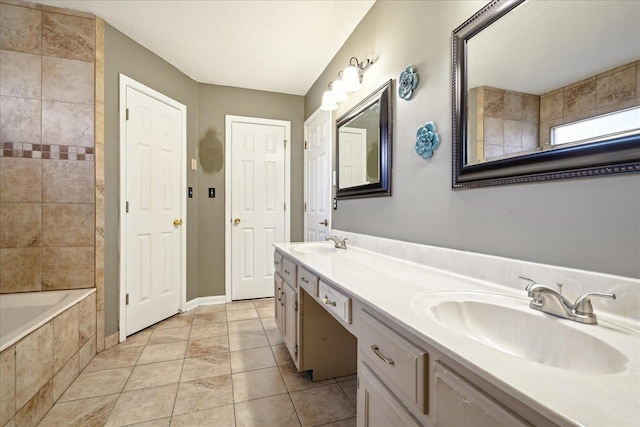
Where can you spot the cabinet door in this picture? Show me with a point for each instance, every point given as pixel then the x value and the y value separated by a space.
pixel 377 406
pixel 279 301
pixel 459 403
pixel 290 321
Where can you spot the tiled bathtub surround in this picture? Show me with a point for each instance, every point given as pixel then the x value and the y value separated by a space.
pixel 36 370
pixel 47 184
pixel 505 271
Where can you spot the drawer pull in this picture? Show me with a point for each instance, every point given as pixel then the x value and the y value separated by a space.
pixel 287 272
pixel 279 295
pixel 387 360
pixel 328 302
pixel 304 280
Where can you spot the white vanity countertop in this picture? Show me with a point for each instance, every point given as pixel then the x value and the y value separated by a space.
pixel 393 286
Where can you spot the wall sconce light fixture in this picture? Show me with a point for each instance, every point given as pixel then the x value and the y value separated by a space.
pixel 349 80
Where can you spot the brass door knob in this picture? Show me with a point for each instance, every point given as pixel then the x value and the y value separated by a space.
pixel 325 223
pixel 236 221
pixel 177 222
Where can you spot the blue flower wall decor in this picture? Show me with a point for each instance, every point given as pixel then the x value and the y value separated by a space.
pixel 408 82
pixel 427 140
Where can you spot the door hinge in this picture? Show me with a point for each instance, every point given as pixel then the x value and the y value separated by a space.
pixel 127 298
pixel 126 114
pixel 285 207
pixel 127 207
pixel 296 350
pixel 305 145
pixel 295 305
pixel 285 143
pixel 305 206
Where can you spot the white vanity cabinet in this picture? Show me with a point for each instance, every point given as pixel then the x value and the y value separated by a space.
pixel 403 379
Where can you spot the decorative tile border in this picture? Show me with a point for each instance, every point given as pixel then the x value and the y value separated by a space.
pixel 41 151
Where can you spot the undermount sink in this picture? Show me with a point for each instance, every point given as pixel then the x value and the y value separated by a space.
pixel 507 324
pixel 315 248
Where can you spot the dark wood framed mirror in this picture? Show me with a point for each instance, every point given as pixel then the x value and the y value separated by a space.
pixel 527 73
pixel 364 137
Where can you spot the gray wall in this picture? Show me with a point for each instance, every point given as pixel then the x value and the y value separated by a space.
pixel 207 106
pixel 215 103
pixel 123 55
pixel 591 224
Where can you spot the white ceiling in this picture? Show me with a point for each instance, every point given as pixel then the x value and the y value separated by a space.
pixel 272 45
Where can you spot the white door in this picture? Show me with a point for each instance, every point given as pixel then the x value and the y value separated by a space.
pixel 317 176
pixel 353 157
pixel 153 248
pixel 258 204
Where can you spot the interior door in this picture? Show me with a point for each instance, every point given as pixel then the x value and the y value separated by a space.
pixel 257 206
pixel 153 210
pixel 317 176
pixel 353 157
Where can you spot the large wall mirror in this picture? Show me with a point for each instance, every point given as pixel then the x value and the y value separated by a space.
pixel 546 90
pixel 364 139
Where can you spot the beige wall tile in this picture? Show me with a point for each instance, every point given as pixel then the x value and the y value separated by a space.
pixel 99 123
pixel 20 180
pixel 65 123
pixel 67 80
pixel 493 150
pixel 616 107
pixel 513 107
pixel 551 106
pixel 37 407
pixel 513 133
pixel 100 249
pixel 531 109
pixel 99 60
pixel 21 270
pixel 111 340
pixel 68 36
pixel 493 103
pixel 65 337
pixel 20 74
pixel 67 224
pixel 68 181
pixel 65 376
pixel 616 87
pixel 20 120
pixel 86 319
pixel 493 131
pixel 580 97
pixel 20 29
pixel 7 384
pixel 86 353
pixel 20 225
pixel 100 330
pixel 34 363
pixel 99 290
pixel 529 135
pixel 68 268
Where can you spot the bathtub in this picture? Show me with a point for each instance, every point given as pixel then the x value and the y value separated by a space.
pixel 22 313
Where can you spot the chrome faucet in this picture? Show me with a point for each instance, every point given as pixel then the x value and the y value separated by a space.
pixel 550 301
pixel 338 242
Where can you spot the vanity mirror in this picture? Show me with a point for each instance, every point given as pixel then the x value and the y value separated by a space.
pixel 546 90
pixel 364 138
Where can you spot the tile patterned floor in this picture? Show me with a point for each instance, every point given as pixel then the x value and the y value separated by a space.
pixel 217 365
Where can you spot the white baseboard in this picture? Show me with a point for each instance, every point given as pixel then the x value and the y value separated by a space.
pixel 197 302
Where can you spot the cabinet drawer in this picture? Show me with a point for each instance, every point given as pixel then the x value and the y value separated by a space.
pixel 289 272
pixel 308 281
pixel 277 262
pixel 335 301
pixel 401 364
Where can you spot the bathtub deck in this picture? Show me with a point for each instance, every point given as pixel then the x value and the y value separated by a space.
pixel 217 365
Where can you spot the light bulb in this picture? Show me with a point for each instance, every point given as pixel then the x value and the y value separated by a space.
pixel 338 91
pixel 351 79
pixel 328 104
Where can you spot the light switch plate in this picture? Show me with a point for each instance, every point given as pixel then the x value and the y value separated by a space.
pixel 194 164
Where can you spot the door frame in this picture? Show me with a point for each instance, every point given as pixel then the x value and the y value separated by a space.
pixel 306 172
pixel 229 120
pixel 124 83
